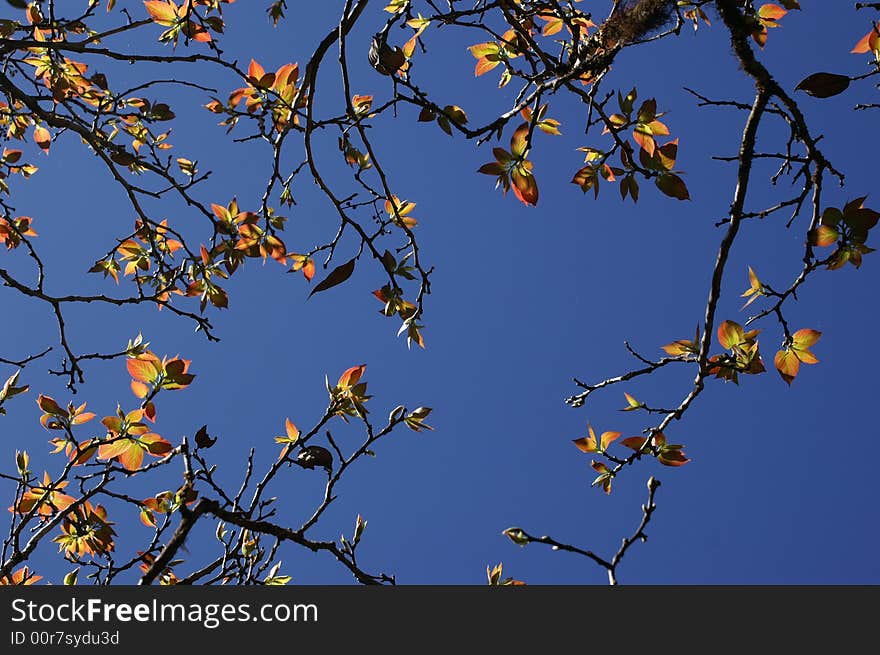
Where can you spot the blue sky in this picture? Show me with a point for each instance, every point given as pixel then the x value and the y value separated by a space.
pixel 780 489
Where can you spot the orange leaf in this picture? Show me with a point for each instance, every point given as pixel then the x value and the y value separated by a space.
pixel 525 187
pixel 586 444
pixel 147 518
pixel 519 140
pixel 635 443
pixel 132 457
pixel 164 13
pixel 760 36
pixel 805 338
pixel 607 438
pixel 48 405
pixel 484 66
pixel 801 342
pixel 868 43
pixel 82 418
pixel 730 334
pixel 309 269
pixel 255 70
pixel 84 453
pixel 142 370
pixel 787 364
pixel 42 138
pixel 646 141
pixel 684 346
pixel 351 376
pixel 771 12
pixel 826 235
pixel 672 457
pixel 113 449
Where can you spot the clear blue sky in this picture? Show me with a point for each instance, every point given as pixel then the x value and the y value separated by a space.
pixel 781 488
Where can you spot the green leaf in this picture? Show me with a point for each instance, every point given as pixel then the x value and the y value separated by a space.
pixel 516 535
pixel 70 578
pixel 673 186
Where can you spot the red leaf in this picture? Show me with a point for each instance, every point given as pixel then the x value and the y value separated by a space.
pixel 525 187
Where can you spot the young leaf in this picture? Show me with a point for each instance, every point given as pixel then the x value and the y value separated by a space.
pixel 632 404
pixel 788 361
pixel 604 478
pixel 516 535
pixel 755 290
pixel 587 444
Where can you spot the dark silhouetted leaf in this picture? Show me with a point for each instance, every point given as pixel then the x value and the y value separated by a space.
pixel 823 85
pixel 203 439
pixel 122 158
pixel 337 276
pixel 388 261
pixel 673 186
pixel 312 456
